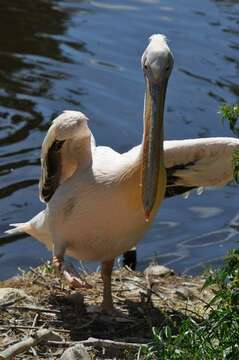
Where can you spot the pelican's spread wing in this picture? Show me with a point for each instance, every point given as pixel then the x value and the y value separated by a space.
pixel 67 147
pixel 198 163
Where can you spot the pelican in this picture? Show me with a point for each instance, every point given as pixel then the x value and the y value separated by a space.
pixel 194 164
pixel 100 202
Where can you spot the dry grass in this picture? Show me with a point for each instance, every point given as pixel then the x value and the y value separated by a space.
pixel 141 304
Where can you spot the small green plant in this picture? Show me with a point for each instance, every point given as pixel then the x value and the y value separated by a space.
pixel 230 113
pixel 214 338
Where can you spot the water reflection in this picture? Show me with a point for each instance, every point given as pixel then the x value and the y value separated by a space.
pixel 26 29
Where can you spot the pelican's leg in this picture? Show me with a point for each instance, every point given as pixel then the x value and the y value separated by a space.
pixel 58 256
pixel 67 270
pixel 106 271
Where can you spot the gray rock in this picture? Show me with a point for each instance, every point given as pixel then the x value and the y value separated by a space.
pixel 77 352
pixel 184 293
pixel 155 271
pixel 10 294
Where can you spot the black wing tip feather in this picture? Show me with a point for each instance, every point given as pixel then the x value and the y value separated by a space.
pixel 52 163
pixel 172 189
pixel 177 190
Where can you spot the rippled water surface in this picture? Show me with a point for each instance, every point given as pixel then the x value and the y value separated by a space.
pixel 85 55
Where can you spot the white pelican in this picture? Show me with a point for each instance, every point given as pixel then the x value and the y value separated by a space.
pixel 194 163
pixel 100 202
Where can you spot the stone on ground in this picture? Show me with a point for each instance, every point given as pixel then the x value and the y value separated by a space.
pixel 77 352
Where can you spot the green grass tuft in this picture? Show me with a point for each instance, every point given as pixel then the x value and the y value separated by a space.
pixel 230 113
pixel 214 338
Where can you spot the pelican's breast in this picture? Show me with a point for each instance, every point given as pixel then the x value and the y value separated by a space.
pixel 98 213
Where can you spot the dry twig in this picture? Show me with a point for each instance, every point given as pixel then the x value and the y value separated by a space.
pixel 3 327
pixel 34 308
pixel 25 344
pixel 110 343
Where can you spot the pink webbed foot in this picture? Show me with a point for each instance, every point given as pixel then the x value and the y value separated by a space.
pixel 70 274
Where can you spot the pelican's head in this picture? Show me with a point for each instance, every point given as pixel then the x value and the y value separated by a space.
pixel 157 60
pixel 157 64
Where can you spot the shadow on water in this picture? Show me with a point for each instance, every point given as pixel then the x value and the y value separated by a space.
pixel 27 30
pixel 84 55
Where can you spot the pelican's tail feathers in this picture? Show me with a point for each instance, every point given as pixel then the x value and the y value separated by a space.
pixel 37 227
pixel 19 228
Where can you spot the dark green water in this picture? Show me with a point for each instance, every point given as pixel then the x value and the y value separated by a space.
pixel 85 55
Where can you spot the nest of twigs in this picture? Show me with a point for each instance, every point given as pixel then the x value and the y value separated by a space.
pixel 143 301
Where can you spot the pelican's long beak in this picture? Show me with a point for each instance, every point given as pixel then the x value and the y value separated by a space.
pixel 153 173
